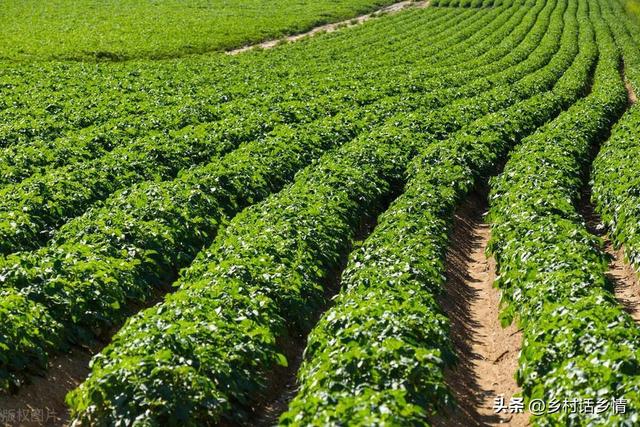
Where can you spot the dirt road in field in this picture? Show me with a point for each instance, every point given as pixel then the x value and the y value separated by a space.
pixel 328 28
pixel 488 352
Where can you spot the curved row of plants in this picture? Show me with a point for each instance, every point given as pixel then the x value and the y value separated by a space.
pixel 32 210
pixel 578 342
pixel 207 353
pixel 140 84
pixel 616 181
pixel 226 93
pixel 480 3
pixel 156 110
pixel 195 102
pixel 264 272
pixel 82 281
pixel 21 160
pixel 384 343
pixel 460 107
pixel 50 95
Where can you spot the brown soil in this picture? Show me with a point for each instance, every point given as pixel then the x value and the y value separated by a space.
pixel 488 353
pixel 43 396
pixel 283 385
pixel 41 402
pixel 624 279
pixel 630 93
pixel 328 28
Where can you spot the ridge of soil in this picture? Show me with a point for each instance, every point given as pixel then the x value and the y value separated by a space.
pixel 488 353
pixel 329 28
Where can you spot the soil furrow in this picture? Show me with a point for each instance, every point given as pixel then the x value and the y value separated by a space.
pixel 41 402
pixel 630 93
pixel 284 382
pixel 623 278
pixel 488 353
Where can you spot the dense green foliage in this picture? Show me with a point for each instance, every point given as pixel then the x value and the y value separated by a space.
pixel 33 207
pixel 578 342
pixel 277 278
pixel 633 8
pixel 246 190
pixel 124 29
pixel 82 281
pixel 386 321
pixel 615 174
pixel 209 345
pixel 142 236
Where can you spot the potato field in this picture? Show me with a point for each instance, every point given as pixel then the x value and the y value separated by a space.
pixel 426 215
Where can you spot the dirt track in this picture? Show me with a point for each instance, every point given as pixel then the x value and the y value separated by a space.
pixel 41 403
pixel 633 98
pixel 488 352
pixel 624 279
pixel 328 28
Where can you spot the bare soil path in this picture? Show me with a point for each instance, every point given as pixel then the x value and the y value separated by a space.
pixel 328 28
pixel 625 280
pixel 488 353
pixel 623 277
pixel 41 402
pixel 283 385
pixel 633 98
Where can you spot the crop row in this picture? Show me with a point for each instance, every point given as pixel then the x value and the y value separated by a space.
pixel 42 183
pixel 149 107
pixel 433 99
pixel 95 141
pixel 263 272
pixel 29 210
pixel 147 95
pixel 20 160
pixel 140 238
pixel 479 3
pixel 206 354
pixel 488 42
pixel 79 148
pixel 33 209
pixel 578 342
pixel 509 47
pixel 616 181
pixel 141 118
pixel 385 339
